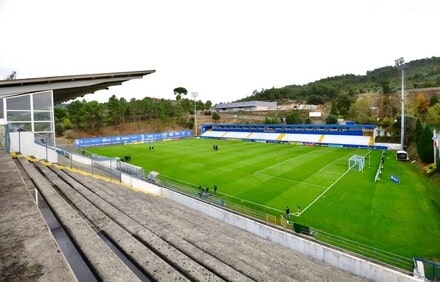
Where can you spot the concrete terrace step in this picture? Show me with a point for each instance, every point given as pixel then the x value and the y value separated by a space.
pixel 106 264
pixel 181 245
pixel 27 249
pixel 251 255
pixel 145 258
pixel 176 225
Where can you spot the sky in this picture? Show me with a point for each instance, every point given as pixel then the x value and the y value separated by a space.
pixel 221 49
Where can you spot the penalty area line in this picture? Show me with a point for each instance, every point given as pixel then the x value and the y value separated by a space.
pixel 325 191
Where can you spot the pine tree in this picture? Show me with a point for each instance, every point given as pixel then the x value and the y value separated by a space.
pixel 426 150
pixel 418 134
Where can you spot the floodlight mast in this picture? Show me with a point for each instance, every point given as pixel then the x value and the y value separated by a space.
pixel 400 64
pixel 194 95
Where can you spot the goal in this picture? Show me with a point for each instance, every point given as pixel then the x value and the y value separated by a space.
pixel 356 163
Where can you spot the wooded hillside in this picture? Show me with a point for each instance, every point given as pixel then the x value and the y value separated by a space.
pixel 423 73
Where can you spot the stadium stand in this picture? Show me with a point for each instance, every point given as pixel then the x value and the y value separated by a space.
pixel 236 135
pixel 214 134
pixel 347 140
pixel 106 264
pixel 306 138
pixel 165 240
pixel 350 135
pixel 265 136
pixel 255 258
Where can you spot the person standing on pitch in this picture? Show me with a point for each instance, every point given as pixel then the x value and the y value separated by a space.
pixel 287 214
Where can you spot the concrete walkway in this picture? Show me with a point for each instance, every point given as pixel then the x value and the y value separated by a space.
pixel 28 252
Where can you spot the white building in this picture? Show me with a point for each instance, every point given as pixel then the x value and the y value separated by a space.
pixel 250 106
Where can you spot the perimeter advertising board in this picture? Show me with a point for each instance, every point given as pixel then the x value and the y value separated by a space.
pixel 128 139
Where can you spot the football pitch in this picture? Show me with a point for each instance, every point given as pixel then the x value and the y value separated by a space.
pixel 313 181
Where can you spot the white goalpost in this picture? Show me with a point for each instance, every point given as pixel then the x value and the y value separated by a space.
pixel 356 163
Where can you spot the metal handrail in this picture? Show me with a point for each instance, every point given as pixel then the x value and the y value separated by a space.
pixel 342 243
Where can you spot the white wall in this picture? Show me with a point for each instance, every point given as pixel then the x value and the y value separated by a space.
pixel 138 184
pixel 81 159
pixel 391 146
pixel 23 142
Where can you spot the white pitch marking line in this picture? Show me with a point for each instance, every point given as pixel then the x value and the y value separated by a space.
pixel 317 198
pixel 278 163
pixel 228 195
pixel 291 180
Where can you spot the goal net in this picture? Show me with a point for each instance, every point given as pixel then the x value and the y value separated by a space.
pixel 356 163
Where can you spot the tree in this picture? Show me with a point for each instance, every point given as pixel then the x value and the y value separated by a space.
pixel 434 100
pixel 137 110
pixel 386 122
pixel 187 105
pixel 343 104
pixel 360 110
pixel 409 126
pixel 179 91
pixel 93 115
pixel 268 120
pixel 331 119
pixel 164 110
pixel 178 113
pixel 74 111
pixel 385 86
pixel 386 107
pixel 116 110
pixel 149 108
pixel 334 110
pixel 60 115
pixel 200 105
pixel 421 106
pixel 215 116
pixel 294 118
pixel 315 100
pixel 433 115
pixel 208 105
pixel 418 135
pixel 190 123
pixel 424 149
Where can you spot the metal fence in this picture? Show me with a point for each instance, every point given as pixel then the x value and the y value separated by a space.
pixel 322 236
pixel 202 193
pixel 431 270
pixel 363 250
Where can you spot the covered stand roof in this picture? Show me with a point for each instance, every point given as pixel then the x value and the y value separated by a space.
pixel 68 87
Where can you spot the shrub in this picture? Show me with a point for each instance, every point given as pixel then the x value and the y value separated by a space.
pixel 430 169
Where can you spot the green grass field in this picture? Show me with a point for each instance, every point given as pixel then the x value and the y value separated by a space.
pixel 400 218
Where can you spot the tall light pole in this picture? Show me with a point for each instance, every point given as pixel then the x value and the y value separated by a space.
pixel 194 95
pixel 400 64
